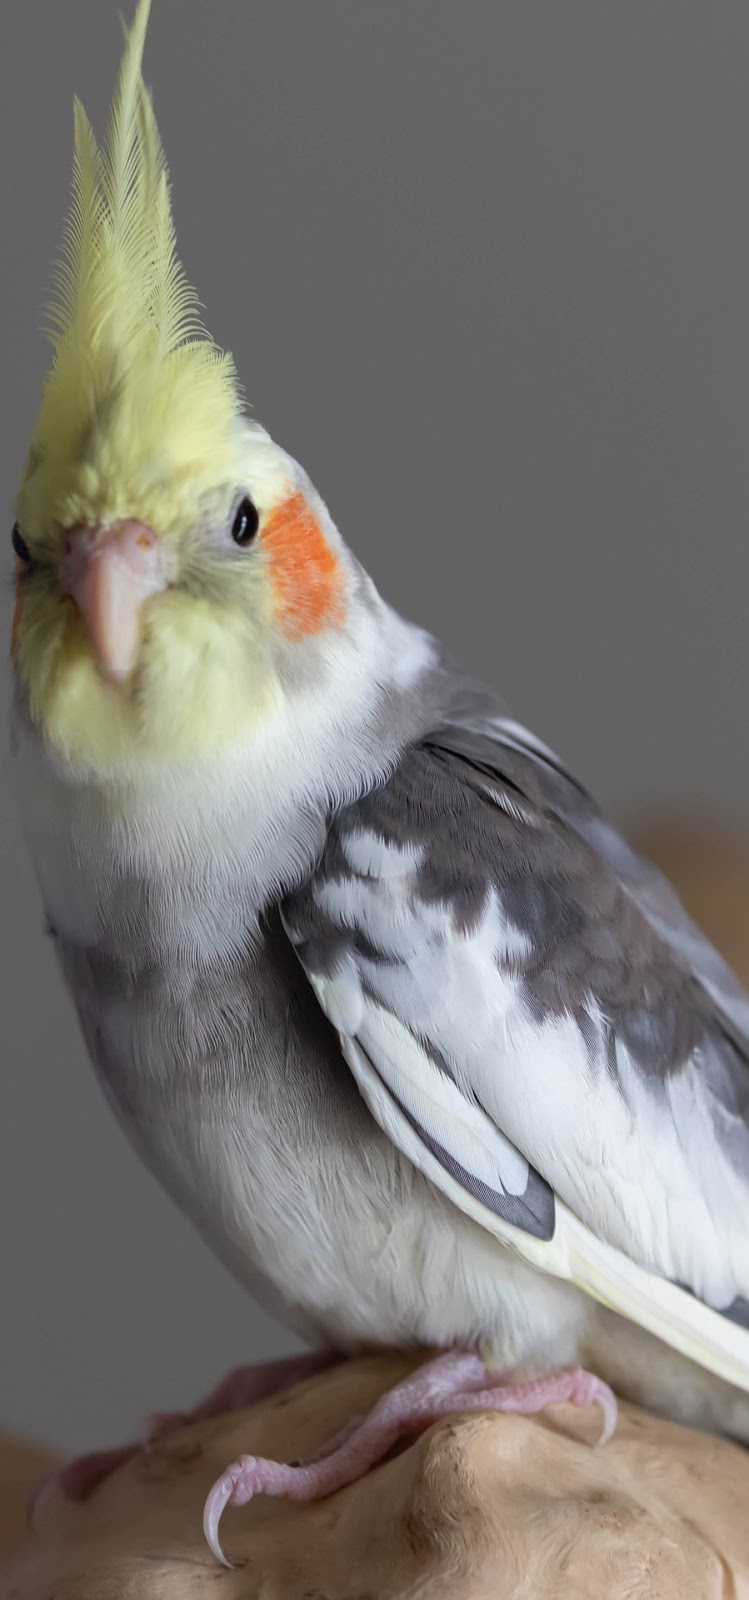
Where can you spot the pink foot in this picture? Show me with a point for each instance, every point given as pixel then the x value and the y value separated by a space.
pixel 242 1388
pixel 450 1383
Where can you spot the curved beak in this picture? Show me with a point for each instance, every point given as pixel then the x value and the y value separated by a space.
pixel 111 573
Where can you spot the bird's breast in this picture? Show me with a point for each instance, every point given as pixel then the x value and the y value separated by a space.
pixel 231 1086
pixel 230 1082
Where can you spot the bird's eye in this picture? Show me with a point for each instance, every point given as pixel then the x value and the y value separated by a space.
pixel 246 522
pixel 20 546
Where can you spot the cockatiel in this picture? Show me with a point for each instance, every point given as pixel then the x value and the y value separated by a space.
pixel 427 1053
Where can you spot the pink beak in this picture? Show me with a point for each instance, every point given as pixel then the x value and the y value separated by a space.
pixel 111 573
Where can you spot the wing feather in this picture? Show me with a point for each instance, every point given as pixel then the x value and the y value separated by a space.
pixel 534 1021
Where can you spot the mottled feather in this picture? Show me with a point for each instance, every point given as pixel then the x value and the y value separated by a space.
pixel 503 976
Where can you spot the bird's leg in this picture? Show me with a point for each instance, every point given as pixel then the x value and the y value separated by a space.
pixel 450 1383
pixel 243 1387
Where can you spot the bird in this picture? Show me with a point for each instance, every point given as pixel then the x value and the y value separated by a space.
pixel 430 1056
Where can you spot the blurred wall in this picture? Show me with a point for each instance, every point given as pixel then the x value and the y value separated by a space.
pixel 484 268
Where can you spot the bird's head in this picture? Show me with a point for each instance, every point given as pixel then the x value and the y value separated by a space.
pixel 173 564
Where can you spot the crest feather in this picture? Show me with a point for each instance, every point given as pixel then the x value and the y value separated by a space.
pixel 132 358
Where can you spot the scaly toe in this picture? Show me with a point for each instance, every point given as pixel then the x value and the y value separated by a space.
pixel 331 1445
pixel 251 1475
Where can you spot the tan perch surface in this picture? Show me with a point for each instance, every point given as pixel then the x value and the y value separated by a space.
pixel 480 1506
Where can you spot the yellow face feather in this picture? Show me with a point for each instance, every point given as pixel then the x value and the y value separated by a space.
pixel 141 418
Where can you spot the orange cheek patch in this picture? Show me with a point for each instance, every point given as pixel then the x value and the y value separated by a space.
pixel 306 573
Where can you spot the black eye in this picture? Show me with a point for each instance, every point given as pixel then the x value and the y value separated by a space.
pixel 19 545
pixel 246 522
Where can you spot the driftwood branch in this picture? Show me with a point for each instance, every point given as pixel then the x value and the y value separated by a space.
pixel 480 1505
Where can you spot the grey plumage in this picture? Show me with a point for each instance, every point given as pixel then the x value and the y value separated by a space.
pixel 418 1044
pixel 481 816
pixel 428 1055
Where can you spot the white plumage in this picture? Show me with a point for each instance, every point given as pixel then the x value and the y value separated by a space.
pixel 428 1055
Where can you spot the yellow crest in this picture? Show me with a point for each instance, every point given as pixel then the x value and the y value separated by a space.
pixel 139 402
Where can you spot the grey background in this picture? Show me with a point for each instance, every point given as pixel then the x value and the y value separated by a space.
pixel 484 267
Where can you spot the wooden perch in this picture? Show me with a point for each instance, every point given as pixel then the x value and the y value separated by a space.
pixel 480 1505
pixel 22 1467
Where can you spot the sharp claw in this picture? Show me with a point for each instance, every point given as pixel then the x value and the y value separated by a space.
pixel 592 1391
pixel 610 1415
pixel 418 1400
pixel 215 1506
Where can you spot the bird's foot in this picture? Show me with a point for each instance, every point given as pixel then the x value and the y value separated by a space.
pixel 243 1387
pixel 449 1383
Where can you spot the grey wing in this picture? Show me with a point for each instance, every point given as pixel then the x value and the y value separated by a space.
pixel 516 752
pixel 532 1039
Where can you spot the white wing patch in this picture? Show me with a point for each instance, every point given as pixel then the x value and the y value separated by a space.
pixel 341 997
pixel 574 1253
pixel 425 1093
pixel 677 1210
pixel 427 988
pixel 676 1207
pixel 374 857
pixel 669 1197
